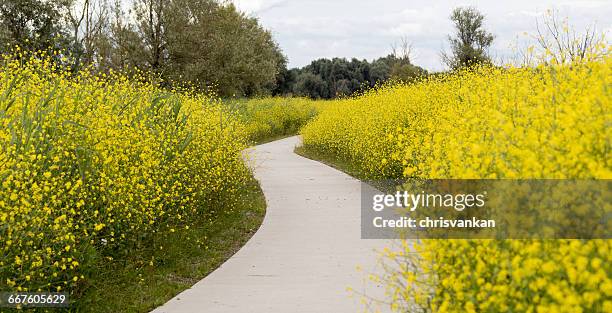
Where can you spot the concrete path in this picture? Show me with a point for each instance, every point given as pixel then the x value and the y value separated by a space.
pixel 305 254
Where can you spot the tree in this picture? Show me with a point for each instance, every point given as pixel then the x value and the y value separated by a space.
pixel 339 77
pixel 379 71
pixel 204 43
pixel 561 44
pixel 150 16
pixel 401 68
pixel 89 24
pixel 325 78
pixel 402 52
pixel 312 86
pixel 471 42
pixel 406 72
pixel 127 47
pixel 211 43
pixel 285 79
pixel 32 24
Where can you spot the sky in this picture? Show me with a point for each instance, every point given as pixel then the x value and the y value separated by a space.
pixel 366 29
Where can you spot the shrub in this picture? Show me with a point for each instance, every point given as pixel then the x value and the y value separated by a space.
pixel 95 166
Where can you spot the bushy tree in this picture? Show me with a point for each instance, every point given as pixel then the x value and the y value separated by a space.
pixel 312 86
pixel 471 41
pixel 203 43
pixel 213 44
pixel 338 77
pixel 285 80
pixel 406 72
pixel 379 71
pixel 32 24
pixel 325 78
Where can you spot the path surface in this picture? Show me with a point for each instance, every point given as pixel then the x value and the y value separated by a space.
pixel 305 254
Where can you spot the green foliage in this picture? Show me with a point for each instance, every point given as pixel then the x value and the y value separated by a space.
pixel 380 71
pixel 339 77
pixel 312 86
pixel 214 44
pixel 407 72
pixel 208 44
pixel 471 41
pixel 32 24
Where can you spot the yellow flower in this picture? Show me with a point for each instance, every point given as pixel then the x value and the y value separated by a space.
pixel 485 123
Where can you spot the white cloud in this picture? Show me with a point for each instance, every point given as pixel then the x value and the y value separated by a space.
pixel 585 4
pixel 531 13
pixel 406 29
pixel 255 6
pixel 311 29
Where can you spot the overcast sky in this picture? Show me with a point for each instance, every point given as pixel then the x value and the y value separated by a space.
pixel 311 29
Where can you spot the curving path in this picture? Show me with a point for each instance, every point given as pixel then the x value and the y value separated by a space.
pixel 305 254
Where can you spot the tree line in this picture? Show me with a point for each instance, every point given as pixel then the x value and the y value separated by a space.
pixel 326 79
pixel 338 77
pixel 209 44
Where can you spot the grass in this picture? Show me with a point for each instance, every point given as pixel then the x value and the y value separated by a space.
pixel 330 159
pixel 180 260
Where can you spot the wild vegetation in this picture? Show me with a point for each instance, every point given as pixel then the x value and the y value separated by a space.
pixel 550 121
pixel 106 160
pixel 206 44
pixel 337 78
pixel 102 169
pixel 267 119
pixel 96 167
pixel 470 43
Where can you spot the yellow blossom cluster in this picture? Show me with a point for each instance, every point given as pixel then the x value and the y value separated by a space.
pixel 269 118
pixel 500 276
pixel 93 166
pixel 551 121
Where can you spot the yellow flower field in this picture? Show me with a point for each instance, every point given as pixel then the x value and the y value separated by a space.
pixel 271 118
pixel 546 122
pixel 94 166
